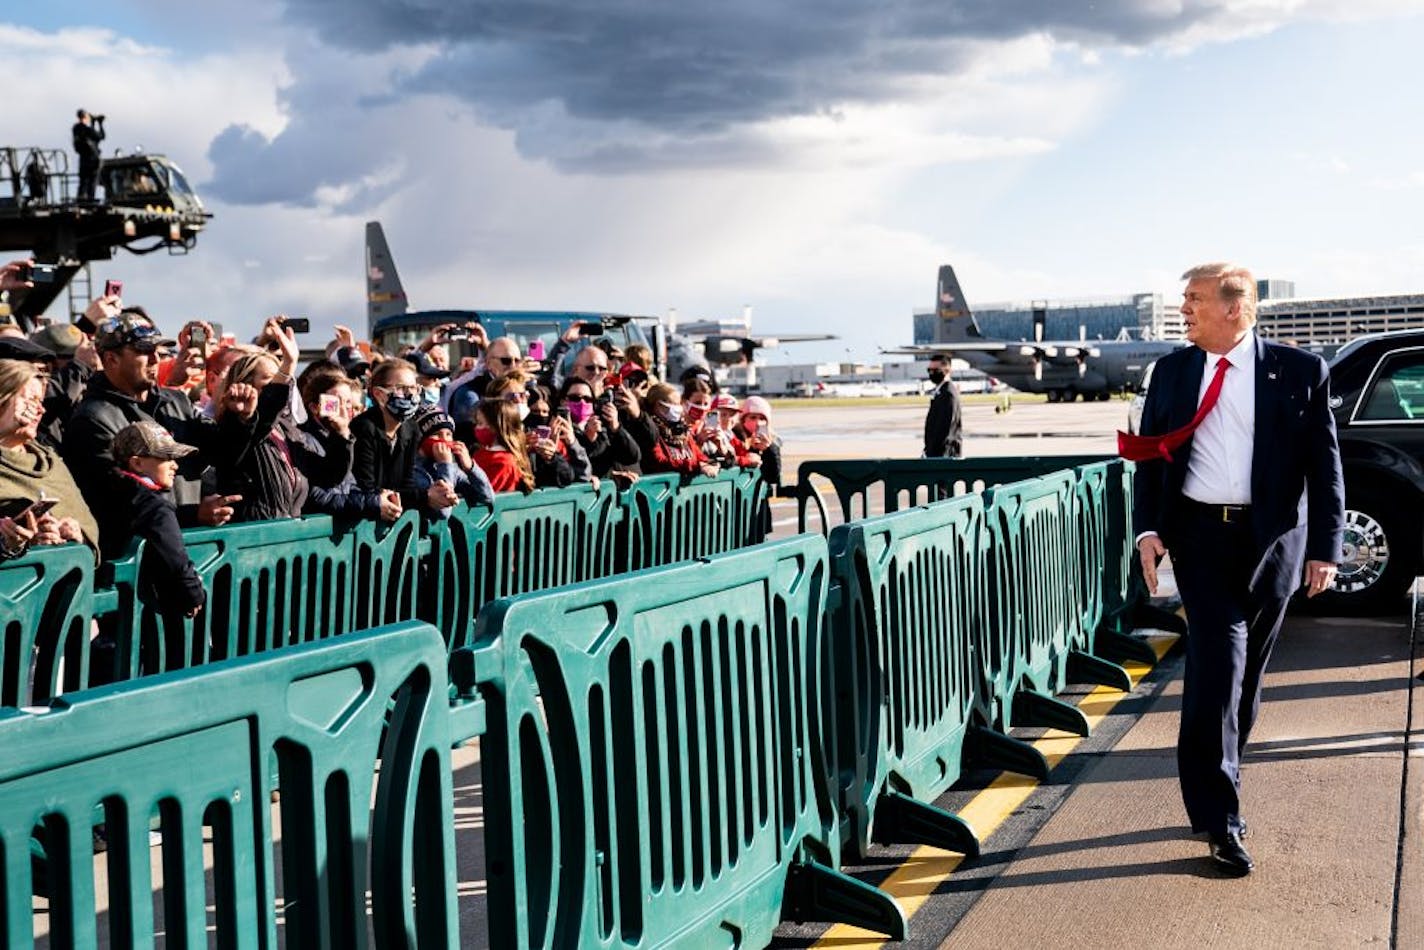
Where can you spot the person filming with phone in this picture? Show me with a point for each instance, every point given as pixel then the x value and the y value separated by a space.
pixel 39 502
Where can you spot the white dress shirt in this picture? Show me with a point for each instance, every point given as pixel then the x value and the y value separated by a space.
pixel 1219 469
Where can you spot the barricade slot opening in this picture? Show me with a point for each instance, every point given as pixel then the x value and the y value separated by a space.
pixel 15 682
pixel 676 758
pixel 598 788
pixel 696 821
pixel 628 851
pixel 728 723
pixel 655 760
pixel 709 700
pixel 537 831
pixel 221 884
pixel 737 690
pixel 346 893
pixel 219 605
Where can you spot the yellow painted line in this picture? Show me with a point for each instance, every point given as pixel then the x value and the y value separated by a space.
pixel 925 869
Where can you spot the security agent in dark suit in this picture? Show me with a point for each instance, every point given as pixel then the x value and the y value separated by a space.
pixel 943 424
pixel 1252 496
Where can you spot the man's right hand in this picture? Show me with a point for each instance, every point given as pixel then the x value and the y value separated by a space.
pixel 1151 551
pixel 214 511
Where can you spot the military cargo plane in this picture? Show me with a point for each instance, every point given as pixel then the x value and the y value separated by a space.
pixel 1064 369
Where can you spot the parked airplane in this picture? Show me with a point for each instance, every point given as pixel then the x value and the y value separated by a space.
pixel 711 344
pixel 1064 369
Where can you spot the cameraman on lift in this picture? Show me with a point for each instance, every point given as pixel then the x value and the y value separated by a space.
pixel 88 133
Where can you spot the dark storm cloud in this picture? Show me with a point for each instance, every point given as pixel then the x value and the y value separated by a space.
pixel 618 86
pixel 703 66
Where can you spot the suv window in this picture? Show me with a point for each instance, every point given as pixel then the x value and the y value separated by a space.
pixel 1398 390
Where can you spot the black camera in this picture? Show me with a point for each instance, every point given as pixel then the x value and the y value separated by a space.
pixel 42 273
pixel 605 398
pixel 296 324
pixel 456 333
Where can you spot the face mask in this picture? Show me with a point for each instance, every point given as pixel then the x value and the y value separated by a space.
pixel 430 395
pixel 401 407
pixel 751 424
pixel 694 412
pixel 936 376
pixel 523 411
pixel 484 436
pixel 670 412
pixel 429 445
pixel 534 419
pixel 579 411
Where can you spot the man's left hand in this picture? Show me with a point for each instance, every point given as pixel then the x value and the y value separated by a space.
pixel 1319 575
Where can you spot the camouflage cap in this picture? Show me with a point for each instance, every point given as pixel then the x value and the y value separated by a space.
pixel 128 329
pixel 147 440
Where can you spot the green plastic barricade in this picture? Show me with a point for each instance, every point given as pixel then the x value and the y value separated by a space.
pixel 46 601
pixel 385 570
pixel 526 542
pixel 751 515
pixel 913 595
pixel 1035 611
pixel 667 519
pixel 654 763
pixel 866 487
pixel 192 751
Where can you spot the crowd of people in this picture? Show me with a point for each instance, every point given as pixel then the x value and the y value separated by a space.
pixel 110 430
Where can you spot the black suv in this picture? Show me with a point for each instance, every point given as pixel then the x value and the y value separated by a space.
pixel 1377 394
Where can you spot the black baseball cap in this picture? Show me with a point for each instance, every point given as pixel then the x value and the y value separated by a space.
pixel 23 348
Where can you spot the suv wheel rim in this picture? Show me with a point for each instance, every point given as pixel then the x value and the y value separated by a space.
pixel 1366 553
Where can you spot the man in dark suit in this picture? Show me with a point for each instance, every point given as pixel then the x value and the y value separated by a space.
pixel 1239 478
pixel 943 427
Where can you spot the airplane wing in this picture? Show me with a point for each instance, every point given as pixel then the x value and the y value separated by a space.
pixel 947 349
pixel 772 339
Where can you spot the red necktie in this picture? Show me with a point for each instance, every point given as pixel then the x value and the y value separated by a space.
pixel 1143 448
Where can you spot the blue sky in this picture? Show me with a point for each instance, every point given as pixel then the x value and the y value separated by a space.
pixel 817 162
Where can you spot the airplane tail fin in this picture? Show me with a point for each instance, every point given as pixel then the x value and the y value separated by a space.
pixel 956 323
pixel 385 297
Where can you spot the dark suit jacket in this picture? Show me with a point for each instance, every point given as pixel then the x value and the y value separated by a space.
pixel 1297 486
pixel 943 438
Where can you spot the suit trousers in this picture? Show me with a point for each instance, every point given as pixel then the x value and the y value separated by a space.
pixel 1232 625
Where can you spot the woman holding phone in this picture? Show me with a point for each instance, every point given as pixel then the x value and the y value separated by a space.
pixel 39 502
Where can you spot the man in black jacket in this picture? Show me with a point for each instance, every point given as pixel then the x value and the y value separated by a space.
pixel 88 133
pixel 943 426
pixel 126 391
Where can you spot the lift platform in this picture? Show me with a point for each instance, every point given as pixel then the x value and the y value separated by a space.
pixel 147 205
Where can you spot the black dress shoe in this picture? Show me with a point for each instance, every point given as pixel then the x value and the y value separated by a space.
pixel 1228 854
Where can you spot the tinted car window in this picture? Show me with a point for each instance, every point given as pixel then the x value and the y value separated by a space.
pixel 1398 391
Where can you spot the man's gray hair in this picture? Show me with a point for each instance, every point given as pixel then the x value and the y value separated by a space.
pixel 1235 283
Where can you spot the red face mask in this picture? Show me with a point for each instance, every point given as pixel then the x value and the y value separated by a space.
pixel 428 446
pixel 694 412
pixel 751 423
pixel 484 435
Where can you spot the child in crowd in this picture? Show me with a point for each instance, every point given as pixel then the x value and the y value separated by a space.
pixel 442 459
pixel 501 451
pixel 147 460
